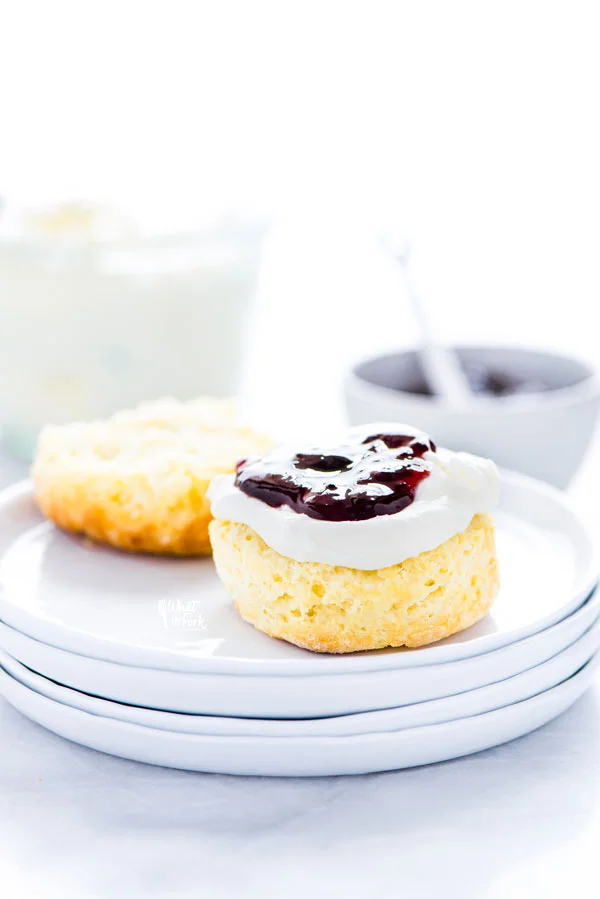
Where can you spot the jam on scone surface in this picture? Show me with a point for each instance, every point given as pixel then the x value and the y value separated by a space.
pixel 353 482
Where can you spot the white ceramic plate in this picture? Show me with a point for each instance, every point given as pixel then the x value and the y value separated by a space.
pixel 473 702
pixel 298 756
pixel 174 614
pixel 311 696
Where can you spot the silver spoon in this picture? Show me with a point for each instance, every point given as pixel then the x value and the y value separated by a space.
pixel 440 364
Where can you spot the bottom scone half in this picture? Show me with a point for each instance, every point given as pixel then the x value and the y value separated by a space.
pixel 327 608
pixel 138 480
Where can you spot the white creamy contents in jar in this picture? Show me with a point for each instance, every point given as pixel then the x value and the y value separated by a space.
pixel 97 315
pixel 459 486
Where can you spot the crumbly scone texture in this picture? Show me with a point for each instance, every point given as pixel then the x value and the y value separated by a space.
pixel 138 480
pixel 328 608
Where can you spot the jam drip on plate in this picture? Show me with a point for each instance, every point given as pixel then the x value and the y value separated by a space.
pixel 378 476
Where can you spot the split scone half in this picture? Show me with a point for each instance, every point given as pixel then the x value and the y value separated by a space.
pixel 380 541
pixel 138 480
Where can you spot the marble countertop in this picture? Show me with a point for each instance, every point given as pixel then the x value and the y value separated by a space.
pixel 522 820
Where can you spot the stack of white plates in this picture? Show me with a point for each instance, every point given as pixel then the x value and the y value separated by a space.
pixel 145 658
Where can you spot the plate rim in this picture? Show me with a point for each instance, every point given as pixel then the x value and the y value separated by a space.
pixel 588 643
pixel 494 723
pixel 72 640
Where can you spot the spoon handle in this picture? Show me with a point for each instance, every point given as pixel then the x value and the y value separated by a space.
pixel 441 366
pixel 443 375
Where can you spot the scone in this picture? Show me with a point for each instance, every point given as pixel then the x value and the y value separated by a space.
pixel 138 480
pixel 382 540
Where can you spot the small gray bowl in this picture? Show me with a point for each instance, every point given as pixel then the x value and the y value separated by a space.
pixel 544 434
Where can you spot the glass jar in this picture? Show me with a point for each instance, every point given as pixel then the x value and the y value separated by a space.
pixel 90 327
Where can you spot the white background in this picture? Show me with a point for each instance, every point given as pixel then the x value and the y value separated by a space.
pixel 474 125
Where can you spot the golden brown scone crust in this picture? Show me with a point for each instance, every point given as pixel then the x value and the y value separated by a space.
pixel 328 608
pixel 138 480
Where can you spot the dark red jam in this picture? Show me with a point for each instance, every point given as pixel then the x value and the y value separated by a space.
pixel 502 383
pixel 353 482
pixel 489 382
